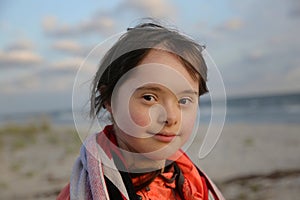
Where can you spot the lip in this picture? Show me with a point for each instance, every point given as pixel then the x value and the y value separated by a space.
pixel 164 137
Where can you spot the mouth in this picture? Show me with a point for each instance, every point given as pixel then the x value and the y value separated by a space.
pixel 164 137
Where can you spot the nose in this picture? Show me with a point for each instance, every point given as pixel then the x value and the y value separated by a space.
pixel 172 115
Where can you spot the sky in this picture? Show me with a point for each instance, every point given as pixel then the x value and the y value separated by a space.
pixel 254 43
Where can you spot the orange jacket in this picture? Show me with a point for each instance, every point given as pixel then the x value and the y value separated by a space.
pixel 196 185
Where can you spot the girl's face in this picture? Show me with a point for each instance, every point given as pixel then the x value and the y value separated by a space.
pixel 163 109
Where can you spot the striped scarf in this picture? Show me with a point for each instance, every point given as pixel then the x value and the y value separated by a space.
pixel 95 167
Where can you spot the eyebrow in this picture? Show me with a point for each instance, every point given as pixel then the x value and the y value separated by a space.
pixel 152 88
pixel 157 89
pixel 189 92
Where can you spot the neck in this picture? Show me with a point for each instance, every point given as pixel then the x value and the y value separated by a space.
pixel 136 161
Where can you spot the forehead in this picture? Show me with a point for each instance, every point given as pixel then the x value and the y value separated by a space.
pixel 171 60
pixel 162 57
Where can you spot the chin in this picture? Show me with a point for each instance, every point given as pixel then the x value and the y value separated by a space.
pixel 162 154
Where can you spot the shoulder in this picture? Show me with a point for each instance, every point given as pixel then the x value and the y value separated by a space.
pixel 194 185
pixel 198 178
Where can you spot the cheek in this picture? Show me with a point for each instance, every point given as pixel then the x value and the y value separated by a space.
pixel 188 122
pixel 139 115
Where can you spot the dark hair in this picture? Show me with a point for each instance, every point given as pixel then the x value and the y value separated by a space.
pixel 132 47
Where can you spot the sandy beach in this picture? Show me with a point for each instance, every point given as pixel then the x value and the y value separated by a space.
pixel 255 161
pixel 250 161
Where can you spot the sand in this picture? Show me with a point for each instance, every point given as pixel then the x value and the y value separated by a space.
pixel 249 161
pixel 255 161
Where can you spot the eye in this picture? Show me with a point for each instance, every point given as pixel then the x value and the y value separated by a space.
pixel 185 101
pixel 149 97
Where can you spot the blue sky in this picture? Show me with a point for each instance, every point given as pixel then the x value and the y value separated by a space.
pixel 254 43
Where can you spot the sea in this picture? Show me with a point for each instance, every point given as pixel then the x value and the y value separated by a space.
pixel 278 108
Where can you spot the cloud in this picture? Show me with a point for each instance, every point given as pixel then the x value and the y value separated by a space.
pixel 262 72
pixel 23 84
pixel 52 77
pixel 49 23
pixel 72 48
pixel 67 46
pixel 231 25
pixel 19 53
pixel 257 50
pixel 68 64
pixel 96 24
pixel 52 27
pixel 294 11
pixel 104 22
pixel 19 58
pixel 20 44
pixel 293 76
pixel 155 8
pixel 37 82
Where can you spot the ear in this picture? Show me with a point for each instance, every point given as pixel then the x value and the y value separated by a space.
pixel 108 107
pixel 107 104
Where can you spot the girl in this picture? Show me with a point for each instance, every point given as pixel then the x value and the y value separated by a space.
pixel 150 82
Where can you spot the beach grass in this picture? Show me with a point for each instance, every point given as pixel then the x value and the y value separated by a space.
pixel 31 152
pixel 29 128
pixel 19 136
